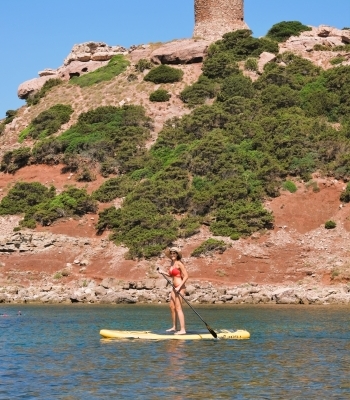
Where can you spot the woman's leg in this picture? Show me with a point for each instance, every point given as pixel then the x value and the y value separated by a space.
pixel 172 311
pixel 180 313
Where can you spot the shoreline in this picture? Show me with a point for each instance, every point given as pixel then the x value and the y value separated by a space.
pixel 155 291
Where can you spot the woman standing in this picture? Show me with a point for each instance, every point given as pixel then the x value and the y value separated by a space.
pixel 178 273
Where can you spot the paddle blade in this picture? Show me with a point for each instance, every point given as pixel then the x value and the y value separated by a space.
pixel 211 331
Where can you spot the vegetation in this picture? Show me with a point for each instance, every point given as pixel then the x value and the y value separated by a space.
pixel 160 95
pixel 209 246
pixel 198 93
pixel 41 204
pixel 116 65
pixel 164 74
pixel 47 122
pixel 290 186
pixel 215 165
pixel 35 97
pixel 285 29
pixel 345 195
pixel 10 116
pixel 330 224
pixel 15 159
pixel 143 64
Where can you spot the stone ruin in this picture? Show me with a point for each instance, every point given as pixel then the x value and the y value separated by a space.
pixel 213 18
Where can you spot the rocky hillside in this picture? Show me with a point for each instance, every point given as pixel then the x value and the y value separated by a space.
pixel 298 251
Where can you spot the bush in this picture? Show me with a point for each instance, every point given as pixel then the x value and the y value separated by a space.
pixel 15 159
pixel 220 66
pixel 285 29
pixel 143 64
pixel 24 197
pixel 290 186
pixel 116 65
pixel 210 246
pixel 330 224
pixel 199 92
pixel 236 85
pixel 34 98
pixel 337 60
pixel 241 218
pixel 345 195
pixel 251 64
pixel 48 122
pixel 160 95
pixel 164 74
pixel 113 188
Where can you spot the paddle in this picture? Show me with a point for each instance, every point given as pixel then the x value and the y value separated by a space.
pixel 208 327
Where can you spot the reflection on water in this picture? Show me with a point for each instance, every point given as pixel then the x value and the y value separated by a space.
pixel 56 352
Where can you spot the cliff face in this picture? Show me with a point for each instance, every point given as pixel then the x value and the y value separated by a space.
pixel 299 250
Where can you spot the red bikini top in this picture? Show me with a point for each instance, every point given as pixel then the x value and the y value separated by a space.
pixel 174 272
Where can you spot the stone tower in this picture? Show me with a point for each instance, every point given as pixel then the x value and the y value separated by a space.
pixel 216 17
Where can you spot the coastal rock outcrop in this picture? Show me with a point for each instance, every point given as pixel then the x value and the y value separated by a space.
pixel 180 52
pixel 93 51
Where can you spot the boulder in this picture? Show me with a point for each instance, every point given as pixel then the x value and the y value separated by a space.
pixel 264 59
pixel 180 52
pixel 33 85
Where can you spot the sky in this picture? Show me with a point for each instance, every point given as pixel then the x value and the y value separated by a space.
pixel 39 34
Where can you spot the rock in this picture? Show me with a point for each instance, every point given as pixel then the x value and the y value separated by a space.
pixel 33 85
pixel 264 59
pixel 47 72
pixel 180 52
pixel 149 284
pixel 95 51
pixel 78 68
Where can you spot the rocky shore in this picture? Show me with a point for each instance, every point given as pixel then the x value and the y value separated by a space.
pixel 112 291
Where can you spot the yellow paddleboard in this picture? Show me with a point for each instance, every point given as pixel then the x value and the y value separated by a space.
pixel 222 334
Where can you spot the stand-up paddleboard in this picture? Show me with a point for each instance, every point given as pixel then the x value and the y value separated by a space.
pixel 190 335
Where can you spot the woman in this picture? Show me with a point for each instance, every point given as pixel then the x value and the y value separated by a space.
pixel 178 273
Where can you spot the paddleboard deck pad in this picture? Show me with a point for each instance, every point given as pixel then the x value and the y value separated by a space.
pixel 190 335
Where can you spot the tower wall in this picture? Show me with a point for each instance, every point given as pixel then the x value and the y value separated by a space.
pixel 213 18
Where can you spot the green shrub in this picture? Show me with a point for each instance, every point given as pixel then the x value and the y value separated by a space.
pixel 102 134
pixel 143 64
pixel 24 197
pixel 116 65
pixel 35 97
pixel 199 92
pixel 48 122
pixel 330 225
pixel 189 226
pixel 241 218
pixel 220 65
pixel 251 64
pixel 160 95
pixel 337 60
pixel 15 159
pixel 113 188
pixel 285 29
pixel 345 194
pixel 209 246
pixel 164 74
pixel 72 201
pixel 290 186
pixel 236 85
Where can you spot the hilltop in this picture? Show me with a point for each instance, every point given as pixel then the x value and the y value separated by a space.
pixel 293 247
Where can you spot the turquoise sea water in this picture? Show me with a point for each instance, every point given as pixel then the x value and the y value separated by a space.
pixel 55 352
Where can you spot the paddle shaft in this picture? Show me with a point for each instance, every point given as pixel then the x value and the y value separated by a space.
pixel 208 327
